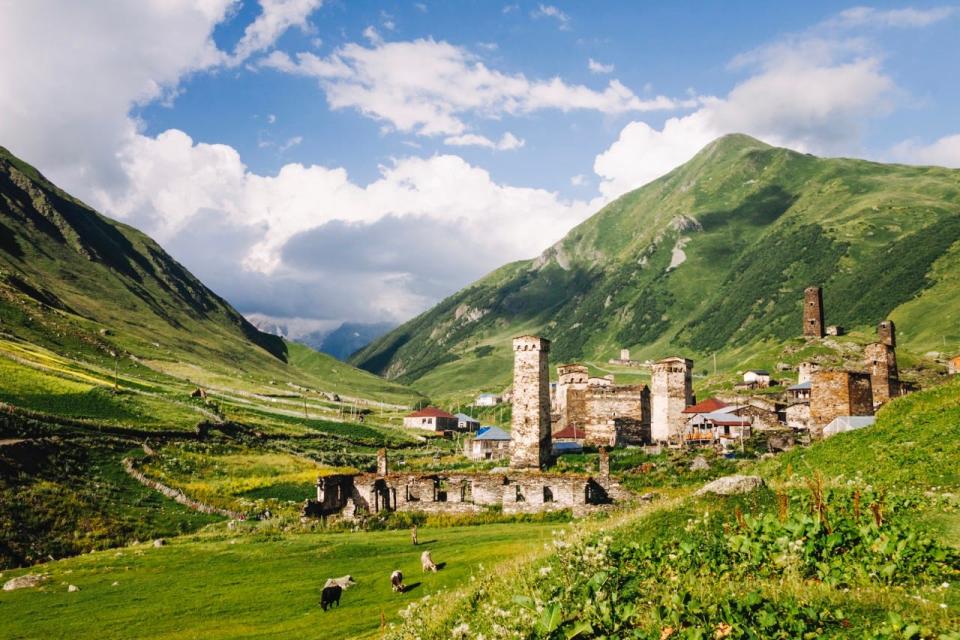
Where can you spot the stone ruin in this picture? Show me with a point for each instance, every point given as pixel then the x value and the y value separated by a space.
pixel 349 495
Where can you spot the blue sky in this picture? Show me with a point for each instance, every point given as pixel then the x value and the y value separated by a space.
pixel 304 157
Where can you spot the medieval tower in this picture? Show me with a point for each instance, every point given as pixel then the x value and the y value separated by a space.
pixel 672 392
pixel 884 378
pixel 887 333
pixel 531 403
pixel 813 312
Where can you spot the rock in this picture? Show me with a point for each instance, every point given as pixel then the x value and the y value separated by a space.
pixel 24 582
pixel 649 497
pixel 159 542
pixel 699 464
pixel 115 583
pixel 731 485
pixel 73 588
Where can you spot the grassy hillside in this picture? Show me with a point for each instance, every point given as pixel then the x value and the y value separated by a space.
pixel 88 288
pixel 711 258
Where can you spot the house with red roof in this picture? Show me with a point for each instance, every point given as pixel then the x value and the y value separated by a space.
pixel 710 405
pixel 431 419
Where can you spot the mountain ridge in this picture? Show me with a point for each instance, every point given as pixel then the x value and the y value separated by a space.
pixel 710 257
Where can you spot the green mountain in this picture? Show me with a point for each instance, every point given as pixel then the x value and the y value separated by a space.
pixel 709 259
pixel 81 285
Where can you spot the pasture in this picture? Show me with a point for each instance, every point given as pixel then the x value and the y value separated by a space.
pixel 235 585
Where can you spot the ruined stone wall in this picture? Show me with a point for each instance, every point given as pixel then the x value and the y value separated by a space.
pixel 671 392
pixel 530 426
pixel 798 415
pixel 838 393
pixel 881 360
pixel 813 312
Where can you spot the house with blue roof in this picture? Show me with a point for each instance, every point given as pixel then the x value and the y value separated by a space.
pixel 490 443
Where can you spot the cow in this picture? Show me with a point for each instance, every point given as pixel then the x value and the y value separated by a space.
pixel 396 580
pixel 330 596
pixel 344 582
pixel 426 562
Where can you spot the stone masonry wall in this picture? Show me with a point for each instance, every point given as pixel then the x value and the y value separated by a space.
pixel 884 376
pixel 671 392
pixel 813 312
pixel 838 393
pixel 530 427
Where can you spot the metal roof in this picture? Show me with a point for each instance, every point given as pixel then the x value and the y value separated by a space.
pixel 803 386
pixel 465 418
pixel 492 433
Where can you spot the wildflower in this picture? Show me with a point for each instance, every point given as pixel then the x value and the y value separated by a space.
pixel 461 630
pixel 545 570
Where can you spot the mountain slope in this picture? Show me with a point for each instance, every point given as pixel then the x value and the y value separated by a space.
pixel 709 258
pixel 82 285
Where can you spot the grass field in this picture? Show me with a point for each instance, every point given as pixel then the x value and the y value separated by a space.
pixel 265 586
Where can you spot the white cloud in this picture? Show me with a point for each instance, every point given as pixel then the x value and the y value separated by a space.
pixel 430 87
pixel 599 67
pixel 944 152
pixel 69 76
pixel 176 183
pixel 807 96
pixel 372 35
pixel 904 18
pixel 421 7
pixel 507 142
pixel 290 143
pixel 271 118
pixel 578 180
pixel 552 12
pixel 276 17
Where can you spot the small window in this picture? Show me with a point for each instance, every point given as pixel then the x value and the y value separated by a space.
pixel 520 497
pixel 547 494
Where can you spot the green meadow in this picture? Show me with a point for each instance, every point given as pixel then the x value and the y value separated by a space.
pixel 265 585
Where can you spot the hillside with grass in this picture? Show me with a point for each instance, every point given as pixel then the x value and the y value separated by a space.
pixel 712 258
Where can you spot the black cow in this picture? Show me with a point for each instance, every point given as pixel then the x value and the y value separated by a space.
pixel 330 596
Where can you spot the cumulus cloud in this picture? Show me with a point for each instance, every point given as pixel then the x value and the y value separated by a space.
pixel 812 96
pixel 599 67
pixel 553 13
pixel 429 87
pixel 944 152
pixel 507 142
pixel 178 185
pixel 276 17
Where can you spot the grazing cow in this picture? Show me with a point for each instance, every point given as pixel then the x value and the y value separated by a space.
pixel 330 596
pixel 426 562
pixel 344 582
pixel 396 579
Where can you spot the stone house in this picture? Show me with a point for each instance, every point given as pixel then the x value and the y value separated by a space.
pixel 722 428
pixel 604 412
pixel 490 443
pixel 431 419
pixel 836 393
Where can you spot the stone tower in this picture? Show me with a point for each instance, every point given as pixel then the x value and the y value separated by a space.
pixel 672 392
pixel 531 403
pixel 884 377
pixel 887 333
pixel 813 312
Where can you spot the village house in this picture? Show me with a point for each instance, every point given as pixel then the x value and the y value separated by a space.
pixel 836 393
pixel 723 428
pixel 490 443
pixel 431 419
pixel 487 400
pixel 953 365
pixel 466 423
pixel 757 378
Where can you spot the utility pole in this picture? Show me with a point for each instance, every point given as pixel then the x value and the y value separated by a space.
pixel 714 363
pixel 116 371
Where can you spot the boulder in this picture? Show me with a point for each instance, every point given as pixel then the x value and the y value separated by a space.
pixel 73 588
pixel 24 582
pixel 731 485
pixel 699 464
pixel 159 542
